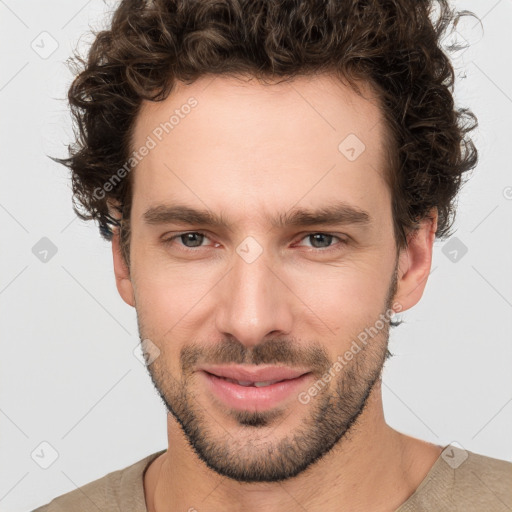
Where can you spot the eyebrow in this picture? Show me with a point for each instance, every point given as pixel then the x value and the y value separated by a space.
pixel 339 213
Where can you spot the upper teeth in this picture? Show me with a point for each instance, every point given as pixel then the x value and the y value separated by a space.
pixel 249 383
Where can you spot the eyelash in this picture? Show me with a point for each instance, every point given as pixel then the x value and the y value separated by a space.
pixel 342 242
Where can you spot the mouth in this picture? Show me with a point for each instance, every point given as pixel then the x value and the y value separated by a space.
pixel 254 395
pixel 248 383
pixel 247 375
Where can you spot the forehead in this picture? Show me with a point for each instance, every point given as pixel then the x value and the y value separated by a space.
pixel 223 140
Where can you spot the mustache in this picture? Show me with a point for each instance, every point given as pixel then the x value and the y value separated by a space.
pixel 269 352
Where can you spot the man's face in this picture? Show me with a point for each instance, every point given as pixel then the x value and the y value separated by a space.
pixel 254 291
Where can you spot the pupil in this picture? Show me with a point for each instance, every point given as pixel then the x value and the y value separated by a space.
pixel 188 237
pixel 315 239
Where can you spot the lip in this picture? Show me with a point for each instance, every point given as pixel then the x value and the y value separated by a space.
pixel 253 398
pixel 254 373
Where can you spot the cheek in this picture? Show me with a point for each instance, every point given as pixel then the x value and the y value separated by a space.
pixel 346 297
pixel 169 298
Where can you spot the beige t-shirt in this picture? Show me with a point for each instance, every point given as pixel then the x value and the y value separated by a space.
pixel 458 481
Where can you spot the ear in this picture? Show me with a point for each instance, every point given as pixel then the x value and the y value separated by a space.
pixel 415 261
pixel 122 272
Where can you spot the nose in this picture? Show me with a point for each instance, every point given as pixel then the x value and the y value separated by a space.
pixel 254 301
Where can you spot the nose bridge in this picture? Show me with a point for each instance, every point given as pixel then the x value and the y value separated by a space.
pixel 253 302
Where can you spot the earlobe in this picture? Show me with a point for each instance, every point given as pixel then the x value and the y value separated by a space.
pixel 122 272
pixel 415 262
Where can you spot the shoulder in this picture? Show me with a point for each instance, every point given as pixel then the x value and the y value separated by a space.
pixel 119 490
pixel 485 480
pixel 464 480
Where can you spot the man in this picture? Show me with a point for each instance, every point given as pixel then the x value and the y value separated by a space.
pixel 273 176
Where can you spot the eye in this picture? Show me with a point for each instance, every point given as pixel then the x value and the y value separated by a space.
pixel 323 241
pixel 189 240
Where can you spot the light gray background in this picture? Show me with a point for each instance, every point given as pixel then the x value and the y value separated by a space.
pixel 69 376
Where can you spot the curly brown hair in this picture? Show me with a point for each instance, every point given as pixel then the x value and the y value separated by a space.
pixel 392 45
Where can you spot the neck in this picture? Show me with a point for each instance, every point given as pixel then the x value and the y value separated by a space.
pixel 373 467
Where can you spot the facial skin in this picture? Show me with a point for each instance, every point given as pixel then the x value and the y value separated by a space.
pixel 250 153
